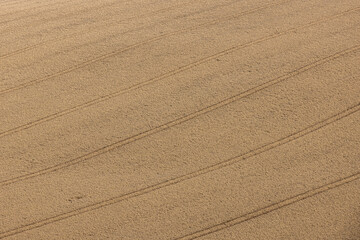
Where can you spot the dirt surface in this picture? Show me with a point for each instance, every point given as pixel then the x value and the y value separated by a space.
pixel 144 119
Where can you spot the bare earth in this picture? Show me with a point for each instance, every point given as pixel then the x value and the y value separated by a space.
pixel 180 119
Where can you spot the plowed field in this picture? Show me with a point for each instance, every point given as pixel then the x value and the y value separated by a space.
pixel 179 119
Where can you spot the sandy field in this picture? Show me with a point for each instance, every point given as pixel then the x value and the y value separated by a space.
pixel 180 119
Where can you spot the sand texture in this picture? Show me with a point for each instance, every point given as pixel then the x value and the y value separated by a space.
pixel 179 119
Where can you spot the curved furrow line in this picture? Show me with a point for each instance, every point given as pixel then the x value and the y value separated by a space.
pixel 77 33
pixel 32 15
pixel 118 51
pixel 117 22
pixel 106 5
pixel 173 181
pixel 270 208
pixel 155 79
pixel 175 122
pixel 54 4
pixel 22 10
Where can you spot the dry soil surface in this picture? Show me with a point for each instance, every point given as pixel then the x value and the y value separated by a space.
pixel 180 119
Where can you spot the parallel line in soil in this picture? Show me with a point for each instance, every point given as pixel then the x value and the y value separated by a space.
pixel 22 50
pixel 270 208
pixel 177 121
pixel 173 181
pixel 139 85
pixel 116 52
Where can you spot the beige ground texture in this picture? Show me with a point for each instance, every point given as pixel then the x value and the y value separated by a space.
pixel 180 119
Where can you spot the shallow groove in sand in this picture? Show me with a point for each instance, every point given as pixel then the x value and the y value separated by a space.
pixel 294 136
pixel 177 121
pixel 118 51
pixel 271 207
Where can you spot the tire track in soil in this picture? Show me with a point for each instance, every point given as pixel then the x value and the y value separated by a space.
pixel 173 181
pixel 118 51
pixel 22 50
pixel 177 121
pixel 270 208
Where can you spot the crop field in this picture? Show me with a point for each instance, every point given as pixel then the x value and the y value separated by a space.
pixel 180 119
